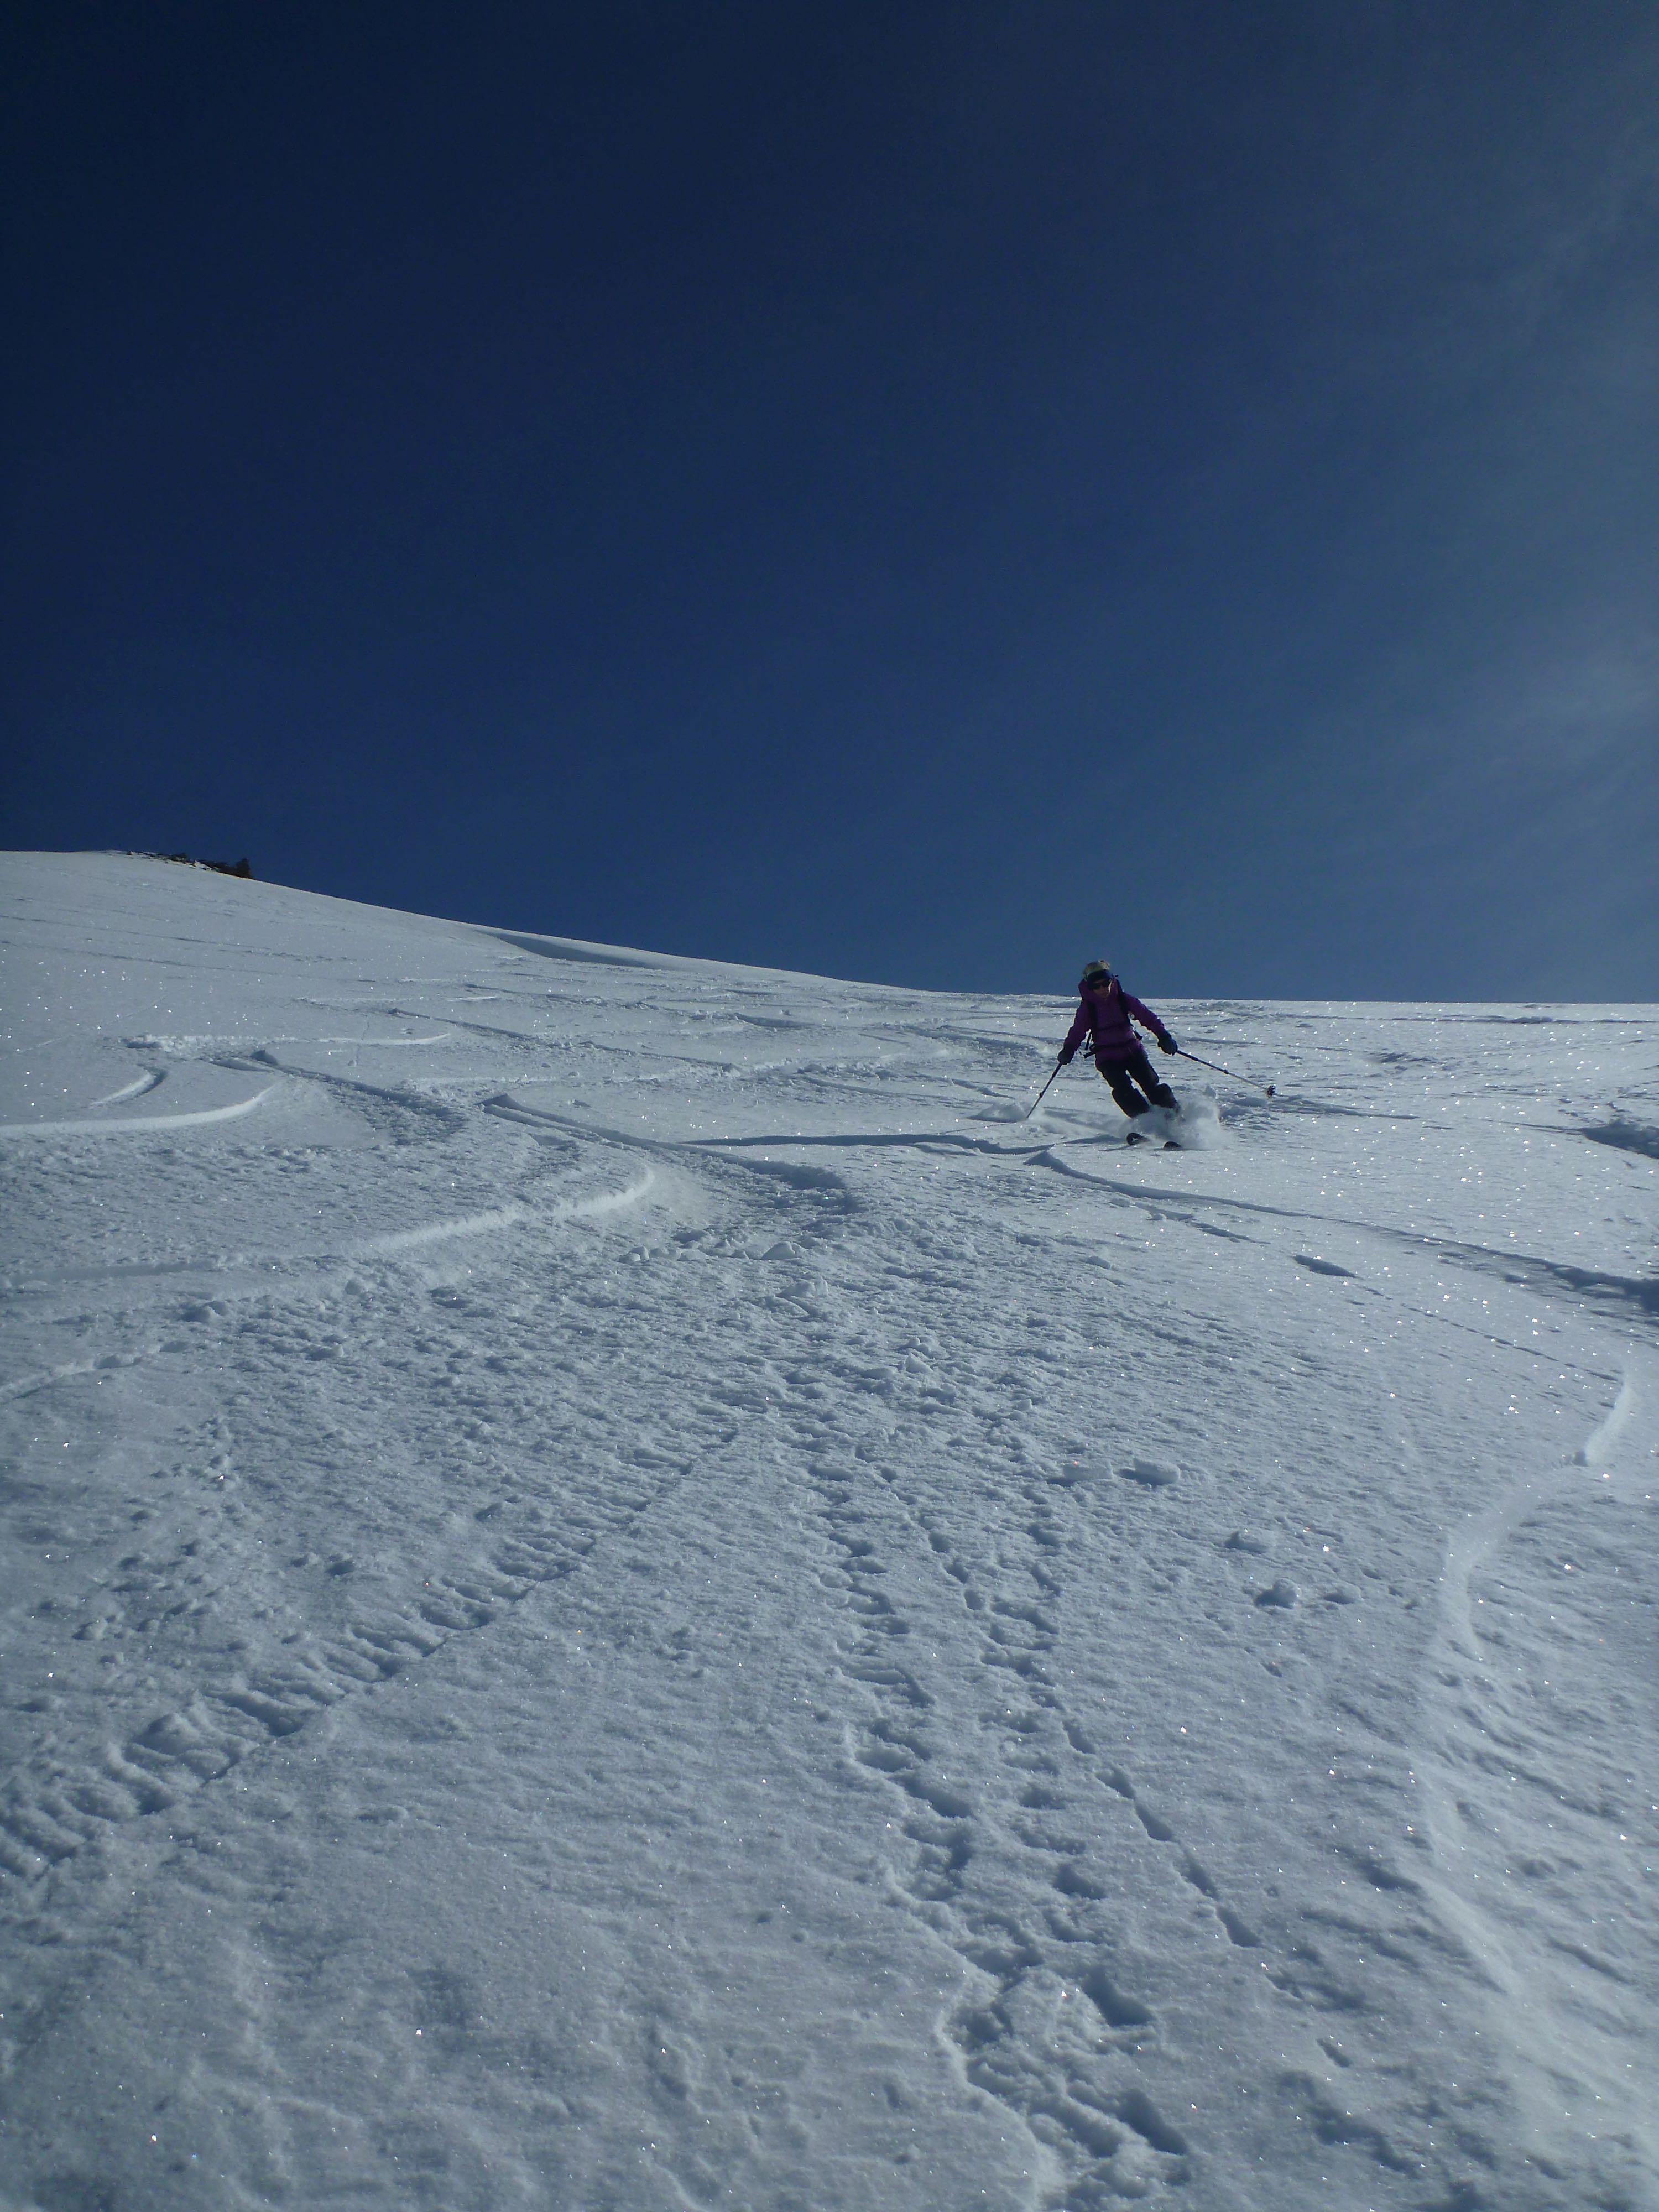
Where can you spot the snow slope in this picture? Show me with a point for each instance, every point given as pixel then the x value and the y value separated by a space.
pixel 619 1591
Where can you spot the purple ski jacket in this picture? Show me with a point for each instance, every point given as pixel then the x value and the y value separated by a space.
pixel 1106 1011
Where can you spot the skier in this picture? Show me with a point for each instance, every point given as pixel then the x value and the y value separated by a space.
pixel 1119 1056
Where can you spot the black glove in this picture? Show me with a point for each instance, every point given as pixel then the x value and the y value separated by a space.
pixel 1065 1052
pixel 1167 1043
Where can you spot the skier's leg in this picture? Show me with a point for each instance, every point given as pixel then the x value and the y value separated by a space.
pixel 1141 1068
pixel 1115 1073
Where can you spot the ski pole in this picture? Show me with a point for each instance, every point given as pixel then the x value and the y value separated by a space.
pixel 1220 1070
pixel 1037 1101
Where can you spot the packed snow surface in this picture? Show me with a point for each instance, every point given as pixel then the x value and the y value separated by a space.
pixel 620 1589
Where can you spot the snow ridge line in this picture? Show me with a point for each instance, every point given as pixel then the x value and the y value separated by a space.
pixel 151 1080
pixel 507 1216
pixel 143 1126
pixel 25 1383
pixel 386 1247
pixel 383 1096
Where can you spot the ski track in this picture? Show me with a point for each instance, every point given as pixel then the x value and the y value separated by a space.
pixel 150 1081
pixel 138 1125
pixel 1494 1794
pixel 1069 2077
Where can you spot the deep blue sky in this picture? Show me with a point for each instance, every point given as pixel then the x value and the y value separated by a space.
pixel 919 491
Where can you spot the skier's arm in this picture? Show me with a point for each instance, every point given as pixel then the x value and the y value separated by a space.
pixel 1149 1020
pixel 1075 1034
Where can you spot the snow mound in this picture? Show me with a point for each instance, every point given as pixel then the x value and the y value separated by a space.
pixel 1150 1473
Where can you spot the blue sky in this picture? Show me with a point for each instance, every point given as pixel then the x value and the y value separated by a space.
pixel 922 492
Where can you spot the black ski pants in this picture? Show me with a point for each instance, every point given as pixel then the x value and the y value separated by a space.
pixel 1122 1074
